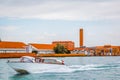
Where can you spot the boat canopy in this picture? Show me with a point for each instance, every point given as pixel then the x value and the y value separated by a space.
pixel 27 59
pixel 49 60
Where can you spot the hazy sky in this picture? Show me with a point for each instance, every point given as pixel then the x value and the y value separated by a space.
pixel 44 21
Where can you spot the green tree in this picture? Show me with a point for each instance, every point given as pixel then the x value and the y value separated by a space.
pixel 60 49
pixel 35 51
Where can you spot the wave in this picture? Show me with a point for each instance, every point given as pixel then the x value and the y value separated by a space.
pixel 77 68
pixel 84 67
pixel 94 67
pixel 55 70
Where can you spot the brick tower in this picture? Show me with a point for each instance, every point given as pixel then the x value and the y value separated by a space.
pixel 81 37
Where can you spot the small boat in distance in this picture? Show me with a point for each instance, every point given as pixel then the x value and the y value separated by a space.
pixel 28 64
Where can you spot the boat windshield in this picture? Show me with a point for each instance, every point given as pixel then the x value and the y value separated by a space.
pixel 50 61
pixel 27 59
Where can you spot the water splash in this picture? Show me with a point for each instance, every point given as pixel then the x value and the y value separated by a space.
pixel 66 69
pixel 94 67
pixel 74 68
pixel 84 67
pixel 60 69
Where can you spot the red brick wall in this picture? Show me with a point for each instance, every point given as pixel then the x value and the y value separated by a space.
pixel 15 55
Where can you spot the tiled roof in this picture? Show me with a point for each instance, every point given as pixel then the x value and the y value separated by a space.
pixel 77 48
pixel 43 46
pixel 62 42
pixel 8 44
pixel 103 47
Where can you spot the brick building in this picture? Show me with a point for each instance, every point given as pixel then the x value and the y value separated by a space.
pixel 67 44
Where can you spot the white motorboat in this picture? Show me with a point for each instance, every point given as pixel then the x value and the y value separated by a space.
pixel 28 64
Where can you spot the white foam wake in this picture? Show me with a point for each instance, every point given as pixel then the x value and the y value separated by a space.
pixel 74 68
pixel 55 70
pixel 85 67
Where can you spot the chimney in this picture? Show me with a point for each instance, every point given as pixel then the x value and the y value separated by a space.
pixel 0 40
pixel 81 37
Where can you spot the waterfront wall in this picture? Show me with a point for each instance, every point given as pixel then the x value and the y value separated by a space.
pixel 15 55
pixel 60 55
pixel 18 55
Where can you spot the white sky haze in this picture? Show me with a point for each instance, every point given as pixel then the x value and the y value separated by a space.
pixel 44 21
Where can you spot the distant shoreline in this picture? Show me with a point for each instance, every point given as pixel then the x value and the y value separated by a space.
pixel 18 55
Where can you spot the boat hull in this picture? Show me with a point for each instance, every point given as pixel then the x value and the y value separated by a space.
pixel 24 68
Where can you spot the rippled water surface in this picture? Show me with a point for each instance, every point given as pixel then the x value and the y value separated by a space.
pixel 77 68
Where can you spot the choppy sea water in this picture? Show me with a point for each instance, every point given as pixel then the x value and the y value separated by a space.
pixel 77 68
